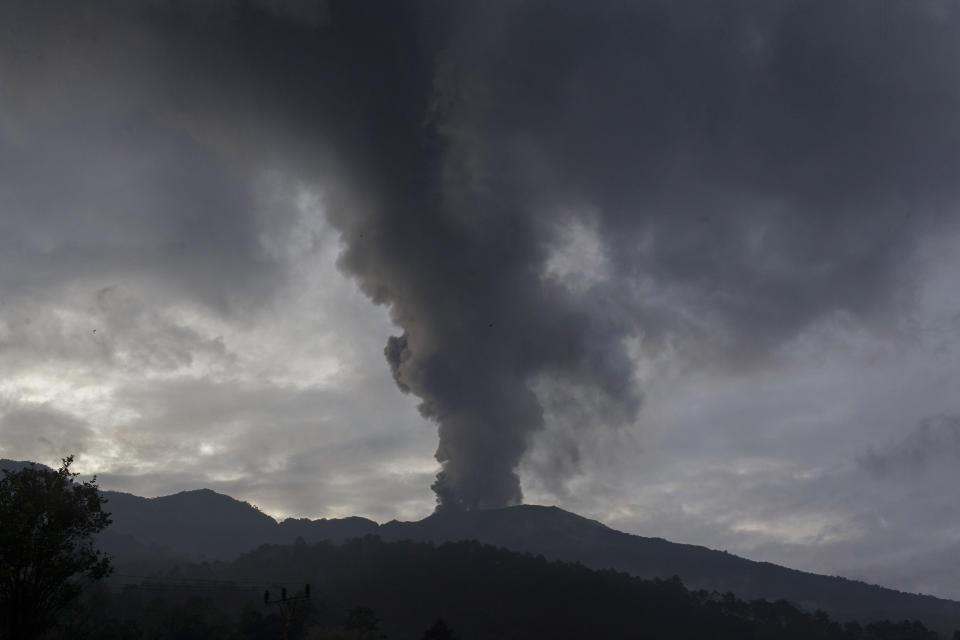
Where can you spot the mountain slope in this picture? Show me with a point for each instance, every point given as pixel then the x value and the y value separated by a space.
pixel 16 465
pixel 209 525
pixel 560 535
pixel 148 533
pixel 489 593
pixel 191 522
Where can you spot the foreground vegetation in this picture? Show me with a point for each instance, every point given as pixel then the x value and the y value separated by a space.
pixel 48 521
pixel 367 588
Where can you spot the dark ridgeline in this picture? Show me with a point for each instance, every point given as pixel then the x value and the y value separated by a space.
pixel 370 589
pixel 151 534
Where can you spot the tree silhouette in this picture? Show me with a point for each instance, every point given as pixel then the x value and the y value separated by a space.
pixel 46 545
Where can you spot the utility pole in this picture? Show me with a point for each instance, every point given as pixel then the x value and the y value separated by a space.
pixel 287 606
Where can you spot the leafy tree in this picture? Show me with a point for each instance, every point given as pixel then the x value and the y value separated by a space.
pixel 47 556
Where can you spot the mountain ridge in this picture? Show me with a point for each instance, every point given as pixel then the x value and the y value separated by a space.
pixel 150 533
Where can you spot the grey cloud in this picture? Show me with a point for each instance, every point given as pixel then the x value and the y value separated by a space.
pixel 236 438
pixel 769 465
pixel 748 169
pixel 113 327
pixel 935 439
pixel 764 164
pixel 42 433
pixel 104 177
pixel 839 521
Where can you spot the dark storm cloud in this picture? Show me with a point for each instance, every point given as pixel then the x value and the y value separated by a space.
pixel 746 168
pixel 762 163
pixel 749 170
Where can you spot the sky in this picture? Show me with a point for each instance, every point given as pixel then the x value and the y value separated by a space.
pixel 688 268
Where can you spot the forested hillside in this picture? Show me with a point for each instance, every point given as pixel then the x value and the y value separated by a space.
pixel 150 535
pixel 368 588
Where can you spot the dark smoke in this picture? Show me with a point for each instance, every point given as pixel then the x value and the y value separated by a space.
pixel 745 169
pixel 749 170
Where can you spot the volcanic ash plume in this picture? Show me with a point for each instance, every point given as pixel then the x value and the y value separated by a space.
pixel 728 174
pixel 529 186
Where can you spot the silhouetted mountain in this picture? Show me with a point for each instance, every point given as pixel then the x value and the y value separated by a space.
pixel 206 524
pixel 17 465
pixel 399 589
pixel 200 523
pixel 149 533
pixel 560 535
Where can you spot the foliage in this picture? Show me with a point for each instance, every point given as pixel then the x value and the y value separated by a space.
pixel 47 552
pixel 439 631
pixel 482 592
